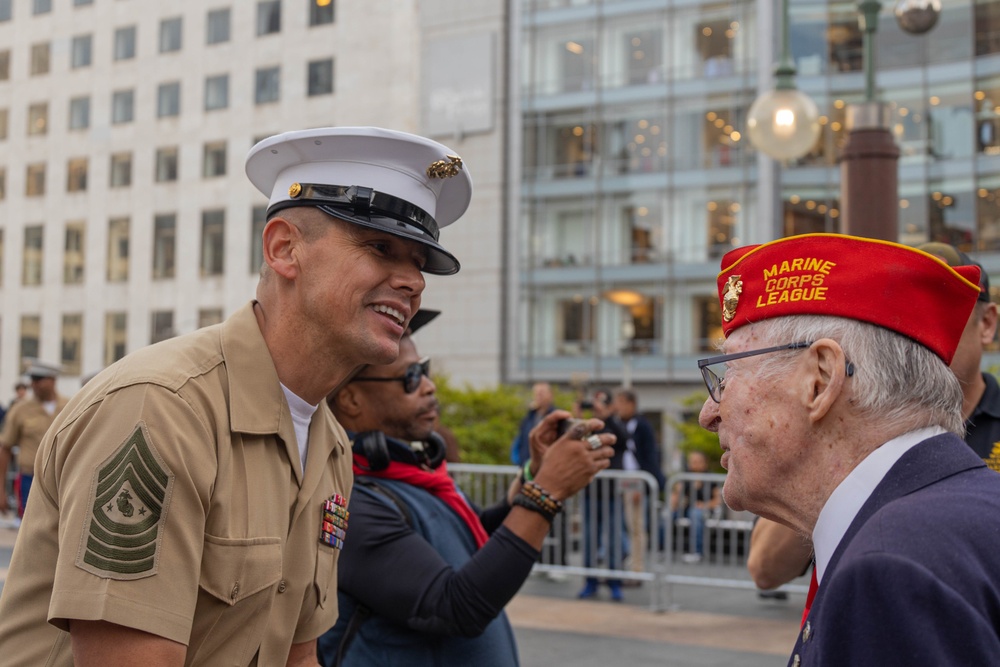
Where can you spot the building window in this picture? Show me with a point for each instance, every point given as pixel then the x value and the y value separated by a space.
pixel 79 113
pixel 122 106
pixel 214 160
pixel 79 3
pixel 217 92
pixel 31 333
pixel 118 242
pixel 164 245
pixel 213 239
pixel 321 77
pixel 4 114
pixel 217 26
pixel 575 327
pixel 268 85
pixel 708 318
pixel 1 246
pixel 80 51
pixel 258 218
pixel 5 65
pixel 41 6
pixel 320 12
pixel 268 17
pixel 5 9
pixel 31 271
pixel 161 325
pixel 34 180
pixel 72 338
pixel 40 59
pixel 170 35
pixel 3 195
pixel 114 337
pixel 76 175
pixel 168 99
pixel 125 43
pixel 209 316
pixel 121 170
pixel 38 118
pixel 74 252
pixel 166 164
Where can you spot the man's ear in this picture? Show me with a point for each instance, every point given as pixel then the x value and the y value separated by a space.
pixel 988 324
pixel 280 239
pixel 826 372
pixel 346 402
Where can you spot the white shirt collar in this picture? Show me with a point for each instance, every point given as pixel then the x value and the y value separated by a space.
pixel 847 499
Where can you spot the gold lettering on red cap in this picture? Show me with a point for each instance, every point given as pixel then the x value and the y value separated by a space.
pixel 807 285
pixel 731 297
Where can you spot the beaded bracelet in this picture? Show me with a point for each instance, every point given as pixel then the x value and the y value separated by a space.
pixel 522 500
pixel 542 497
pixel 526 475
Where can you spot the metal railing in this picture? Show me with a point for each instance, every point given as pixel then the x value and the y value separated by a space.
pixel 691 538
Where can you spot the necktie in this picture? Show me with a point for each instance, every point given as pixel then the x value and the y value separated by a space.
pixel 813 585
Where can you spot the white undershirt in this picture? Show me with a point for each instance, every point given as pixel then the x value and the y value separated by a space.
pixel 847 499
pixel 49 407
pixel 302 414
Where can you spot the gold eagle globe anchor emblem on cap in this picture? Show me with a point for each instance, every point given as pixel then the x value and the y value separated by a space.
pixel 445 168
pixel 731 297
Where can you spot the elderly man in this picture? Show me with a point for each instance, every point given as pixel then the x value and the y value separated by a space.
pixel 839 417
pixel 25 425
pixel 424 576
pixel 187 503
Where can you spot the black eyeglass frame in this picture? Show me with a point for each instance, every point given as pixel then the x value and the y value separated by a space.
pixel 411 380
pixel 715 384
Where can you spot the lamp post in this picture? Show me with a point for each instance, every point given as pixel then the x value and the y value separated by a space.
pixel 869 180
pixel 783 123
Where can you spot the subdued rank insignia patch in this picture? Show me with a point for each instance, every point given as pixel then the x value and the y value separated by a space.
pixel 130 494
pixel 335 516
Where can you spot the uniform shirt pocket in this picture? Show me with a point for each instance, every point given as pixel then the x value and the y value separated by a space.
pixel 234 569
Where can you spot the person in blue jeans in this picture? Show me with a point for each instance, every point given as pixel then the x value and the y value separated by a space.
pixel 695 500
pixel 602 508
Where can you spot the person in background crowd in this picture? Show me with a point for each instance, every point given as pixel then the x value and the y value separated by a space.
pixel 602 512
pixel 540 406
pixel 424 576
pixel 641 453
pixel 695 500
pixel 839 417
pixel 187 503
pixel 25 426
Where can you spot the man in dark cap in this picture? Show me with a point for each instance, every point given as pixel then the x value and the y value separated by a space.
pixel 188 502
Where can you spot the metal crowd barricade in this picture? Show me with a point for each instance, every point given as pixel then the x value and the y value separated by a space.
pixel 591 537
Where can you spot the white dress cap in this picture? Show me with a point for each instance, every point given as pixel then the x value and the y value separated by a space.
pixel 38 369
pixel 392 181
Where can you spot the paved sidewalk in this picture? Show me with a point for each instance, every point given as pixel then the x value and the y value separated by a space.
pixel 707 627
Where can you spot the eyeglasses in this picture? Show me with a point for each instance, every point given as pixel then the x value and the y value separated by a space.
pixel 415 373
pixel 715 378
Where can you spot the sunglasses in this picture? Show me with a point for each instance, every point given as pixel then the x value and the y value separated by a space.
pixel 415 373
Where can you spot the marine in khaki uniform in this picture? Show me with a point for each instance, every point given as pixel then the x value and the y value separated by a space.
pixel 25 425
pixel 190 502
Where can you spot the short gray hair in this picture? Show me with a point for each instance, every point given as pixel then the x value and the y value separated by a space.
pixel 897 382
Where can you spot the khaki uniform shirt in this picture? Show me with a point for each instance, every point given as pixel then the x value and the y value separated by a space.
pixel 25 426
pixel 169 498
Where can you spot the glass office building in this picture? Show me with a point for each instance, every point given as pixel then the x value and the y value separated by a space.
pixel 637 175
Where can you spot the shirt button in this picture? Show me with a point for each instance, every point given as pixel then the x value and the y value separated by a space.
pixel 236 591
pixel 807 632
pixel 282 586
pixel 796 661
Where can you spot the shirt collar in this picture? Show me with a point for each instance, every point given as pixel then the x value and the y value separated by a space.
pixel 851 494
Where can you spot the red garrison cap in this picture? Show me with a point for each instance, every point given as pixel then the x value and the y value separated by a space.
pixel 886 284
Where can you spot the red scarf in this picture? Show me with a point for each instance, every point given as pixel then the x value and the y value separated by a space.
pixel 437 482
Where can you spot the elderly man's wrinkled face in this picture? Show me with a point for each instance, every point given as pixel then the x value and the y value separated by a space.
pixel 756 423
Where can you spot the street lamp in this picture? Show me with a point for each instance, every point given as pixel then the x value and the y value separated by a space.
pixel 869 178
pixel 783 123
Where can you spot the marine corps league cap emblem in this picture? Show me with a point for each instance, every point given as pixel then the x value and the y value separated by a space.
pixel 445 168
pixel 335 515
pixel 731 297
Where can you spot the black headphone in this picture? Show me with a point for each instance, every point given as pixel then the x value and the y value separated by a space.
pixel 373 446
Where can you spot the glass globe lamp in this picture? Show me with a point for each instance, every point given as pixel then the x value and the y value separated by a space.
pixel 917 16
pixel 783 123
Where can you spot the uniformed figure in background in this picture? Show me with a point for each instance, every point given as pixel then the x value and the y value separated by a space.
pixel 188 505
pixel 25 425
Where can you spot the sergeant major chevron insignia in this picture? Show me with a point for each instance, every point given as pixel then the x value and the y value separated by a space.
pixel 130 494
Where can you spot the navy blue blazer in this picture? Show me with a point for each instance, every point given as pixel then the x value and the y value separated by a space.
pixel 916 578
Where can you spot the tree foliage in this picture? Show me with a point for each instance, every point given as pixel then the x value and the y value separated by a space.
pixel 693 436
